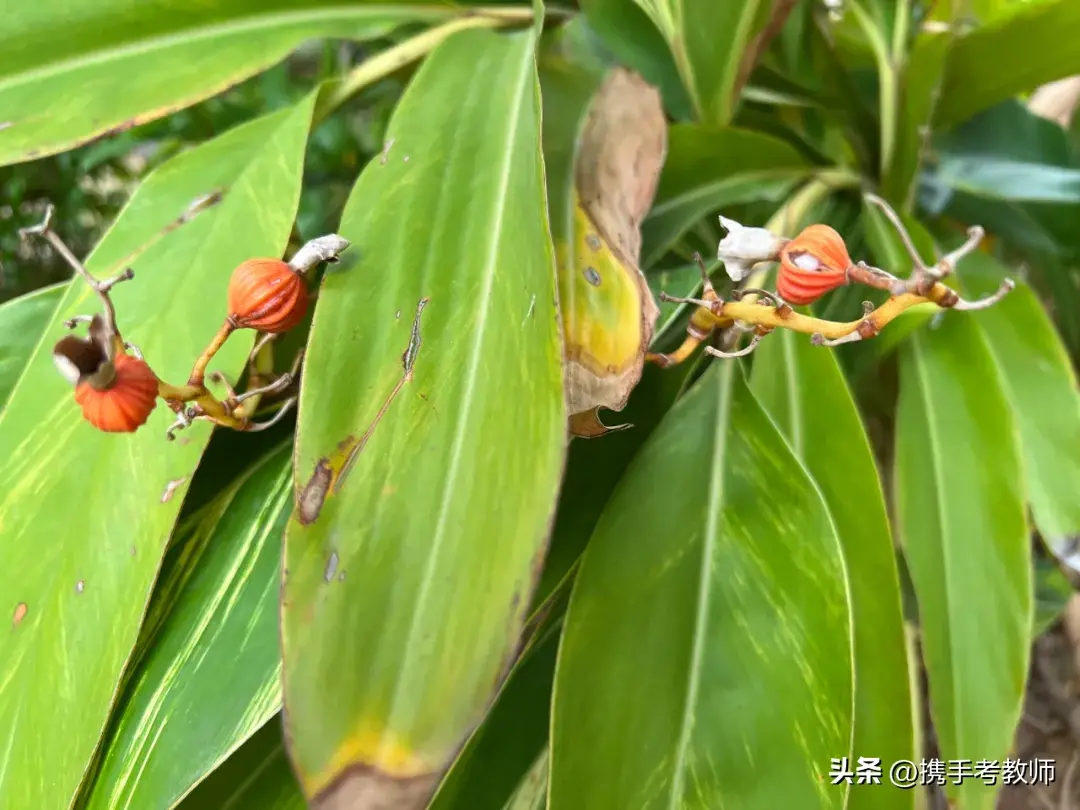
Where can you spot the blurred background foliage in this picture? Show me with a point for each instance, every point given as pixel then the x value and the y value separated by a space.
pixel 91 183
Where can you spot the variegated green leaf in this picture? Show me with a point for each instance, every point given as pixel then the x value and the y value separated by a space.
pixel 84 515
pixel 211 676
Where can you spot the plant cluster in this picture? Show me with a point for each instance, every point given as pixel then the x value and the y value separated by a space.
pixel 116 387
pixel 812 264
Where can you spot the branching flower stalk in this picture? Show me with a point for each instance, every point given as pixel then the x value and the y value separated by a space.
pixel 811 265
pixel 117 388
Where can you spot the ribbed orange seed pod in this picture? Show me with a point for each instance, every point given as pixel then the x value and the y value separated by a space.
pixel 267 295
pixel 125 405
pixel 813 263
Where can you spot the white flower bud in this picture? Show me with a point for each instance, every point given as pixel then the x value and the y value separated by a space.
pixel 743 247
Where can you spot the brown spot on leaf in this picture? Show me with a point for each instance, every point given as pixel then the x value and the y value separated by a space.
pixel 311 498
pixel 408 358
pixel 623 147
pixel 171 487
pixel 330 471
pixel 385 152
pixel 331 566
pixel 364 787
pixel 80 586
pixel 591 276
pixel 20 613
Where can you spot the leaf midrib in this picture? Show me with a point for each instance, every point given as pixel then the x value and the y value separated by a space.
pixel 794 395
pixel 712 520
pixel 939 503
pixel 458 442
pixel 227 590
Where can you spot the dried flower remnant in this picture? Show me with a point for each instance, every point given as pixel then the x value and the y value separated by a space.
pixel 744 247
pixel 811 265
pixel 117 389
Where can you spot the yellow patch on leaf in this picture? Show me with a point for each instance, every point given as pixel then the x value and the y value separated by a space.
pixel 375 748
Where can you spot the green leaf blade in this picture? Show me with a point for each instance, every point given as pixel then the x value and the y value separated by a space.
pixel 803 388
pixel 707 169
pixel 960 507
pixel 921 82
pixel 256 775
pixel 709 43
pixel 669 689
pixel 212 676
pixel 23 321
pixel 974 79
pixel 79 506
pixel 165 62
pixel 436 530
pixel 713 41
pixel 1039 382
pixel 498 758
pixel 631 35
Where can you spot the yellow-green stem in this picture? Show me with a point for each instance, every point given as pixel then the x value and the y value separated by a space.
pixel 198 371
pixel 888 81
pixel 262 369
pixel 411 50
pixel 213 409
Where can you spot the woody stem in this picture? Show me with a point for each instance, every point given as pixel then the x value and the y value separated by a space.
pixel 901 230
pixel 260 368
pixel 871 324
pixel 101 288
pixel 949 260
pixel 251 398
